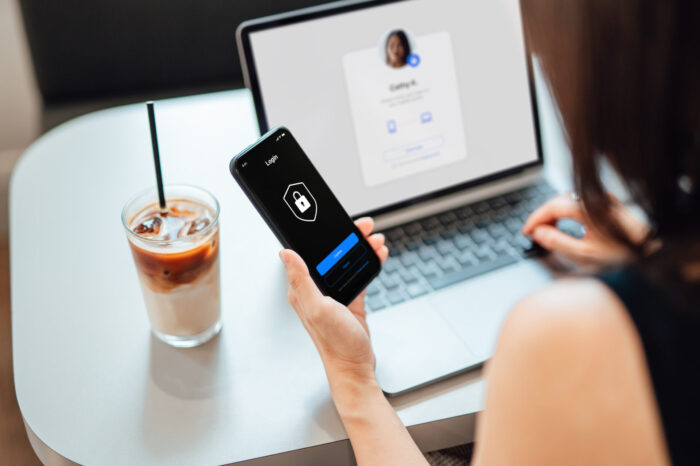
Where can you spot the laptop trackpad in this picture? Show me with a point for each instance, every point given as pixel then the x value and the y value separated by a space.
pixel 414 345
pixel 476 310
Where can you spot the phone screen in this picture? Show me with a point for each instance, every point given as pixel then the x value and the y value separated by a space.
pixel 300 208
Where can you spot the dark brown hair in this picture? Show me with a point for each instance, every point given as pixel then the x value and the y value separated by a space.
pixel 403 38
pixel 626 76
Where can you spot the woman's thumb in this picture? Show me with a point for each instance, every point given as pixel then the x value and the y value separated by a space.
pixel 298 275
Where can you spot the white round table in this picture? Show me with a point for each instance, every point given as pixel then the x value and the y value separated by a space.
pixel 93 385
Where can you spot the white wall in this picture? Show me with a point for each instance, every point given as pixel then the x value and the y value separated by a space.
pixel 19 99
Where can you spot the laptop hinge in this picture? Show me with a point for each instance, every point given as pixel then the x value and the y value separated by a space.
pixel 451 201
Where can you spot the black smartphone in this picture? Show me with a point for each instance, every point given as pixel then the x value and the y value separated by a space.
pixel 299 207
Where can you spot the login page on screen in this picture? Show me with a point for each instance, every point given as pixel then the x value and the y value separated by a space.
pixel 298 204
pixel 400 100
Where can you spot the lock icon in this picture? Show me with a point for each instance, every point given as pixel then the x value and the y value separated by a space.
pixel 301 201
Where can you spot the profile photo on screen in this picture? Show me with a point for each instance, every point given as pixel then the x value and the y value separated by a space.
pixel 397 48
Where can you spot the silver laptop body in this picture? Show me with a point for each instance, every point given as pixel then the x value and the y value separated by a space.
pixel 458 263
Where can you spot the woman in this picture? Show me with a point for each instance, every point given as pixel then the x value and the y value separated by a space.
pixel 589 370
pixel 397 49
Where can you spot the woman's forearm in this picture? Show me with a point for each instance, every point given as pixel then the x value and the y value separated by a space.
pixel 376 432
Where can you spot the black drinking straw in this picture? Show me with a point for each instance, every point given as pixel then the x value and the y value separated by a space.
pixel 156 153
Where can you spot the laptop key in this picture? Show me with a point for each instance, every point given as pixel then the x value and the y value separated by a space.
pixel 497 202
pixel 447 219
pixel 391 264
pixel 430 223
pixel 448 234
pixel 426 253
pixel 373 289
pixel 466 227
pixel 513 225
pixel 467 259
pixel 429 241
pixel 514 197
pixel 445 247
pixel 434 233
pixel 484 253
pixel 518 241
pixel 497 230
pixel 413 228
pixel 374 303
pixel 407 276
pixel 395 297
pixel 464 213
pixel 388 282
pixel 534 204
pixel 416 289
pixel 481 208
pixel 501 245
pixel 469 272
pixel 525 246
pixel 413 246
pixel 480 236
pixel 463 242
pixel 428 270
pixel 448 265
pixel 408 259
pixel 545 189
pixel 395 234
pixel 531 193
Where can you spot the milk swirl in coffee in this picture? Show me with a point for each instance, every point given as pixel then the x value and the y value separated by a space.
pixel 176 251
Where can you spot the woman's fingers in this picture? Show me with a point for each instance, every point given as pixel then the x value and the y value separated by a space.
pixel 365 225
pixel 376 240
pixel 301 284
pixel 357 306
pixel 561 206
pixel 383 253
pixel 553 239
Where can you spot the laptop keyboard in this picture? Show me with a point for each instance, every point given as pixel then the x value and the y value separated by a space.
pixel 434 252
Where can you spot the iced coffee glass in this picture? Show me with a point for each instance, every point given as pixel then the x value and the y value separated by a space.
pixel 176 252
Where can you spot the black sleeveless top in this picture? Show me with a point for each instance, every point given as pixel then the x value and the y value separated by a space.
pixel 670 333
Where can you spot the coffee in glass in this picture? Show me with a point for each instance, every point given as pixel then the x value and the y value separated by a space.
pixel 176 252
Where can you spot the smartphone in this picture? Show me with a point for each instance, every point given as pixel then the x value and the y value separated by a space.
pixel 304 214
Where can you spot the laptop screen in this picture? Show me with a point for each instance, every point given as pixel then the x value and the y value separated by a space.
pixel 397 101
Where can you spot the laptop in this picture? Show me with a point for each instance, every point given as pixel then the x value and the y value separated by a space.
pixel 421 114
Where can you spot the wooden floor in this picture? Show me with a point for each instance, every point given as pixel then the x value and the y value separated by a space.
pixel 14 445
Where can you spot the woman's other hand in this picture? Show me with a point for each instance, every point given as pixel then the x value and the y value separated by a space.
pixel 594 248
pixel 340 333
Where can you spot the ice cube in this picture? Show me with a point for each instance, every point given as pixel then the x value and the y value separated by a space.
pixel 198 225
pixel 184 229
pixel 150 226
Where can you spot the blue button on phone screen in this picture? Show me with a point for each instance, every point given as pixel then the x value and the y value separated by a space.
pixel 331 259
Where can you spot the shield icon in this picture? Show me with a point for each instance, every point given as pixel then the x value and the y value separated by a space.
pixel 301 202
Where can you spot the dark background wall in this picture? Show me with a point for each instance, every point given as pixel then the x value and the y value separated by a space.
pixel 100 50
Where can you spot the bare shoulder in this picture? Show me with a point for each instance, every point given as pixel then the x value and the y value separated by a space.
pixel 568 383
pixel 571 314
pixel 575 329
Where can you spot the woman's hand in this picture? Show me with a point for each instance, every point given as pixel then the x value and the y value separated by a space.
pixel 341 337
pixel 340 333
pixel 594 248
